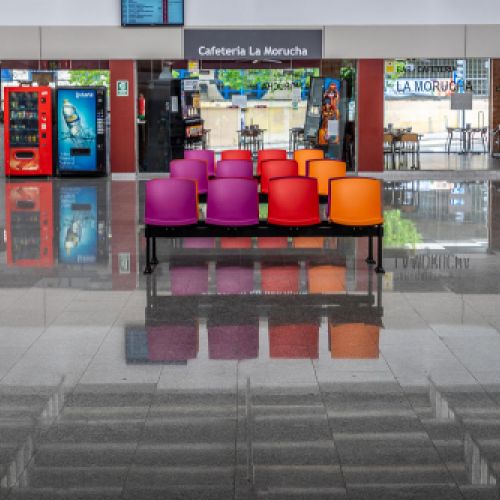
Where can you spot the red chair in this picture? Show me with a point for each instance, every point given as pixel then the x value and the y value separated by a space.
pixel 236 154
pixel 269 154
pixel 277 168
pixel 293 201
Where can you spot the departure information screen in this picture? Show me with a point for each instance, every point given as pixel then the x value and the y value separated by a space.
pixel 152 12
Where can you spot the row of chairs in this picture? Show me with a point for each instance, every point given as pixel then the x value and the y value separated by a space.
pixel 201 165
pixel 292 201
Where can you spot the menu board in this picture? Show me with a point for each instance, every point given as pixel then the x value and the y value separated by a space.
pixel 152 12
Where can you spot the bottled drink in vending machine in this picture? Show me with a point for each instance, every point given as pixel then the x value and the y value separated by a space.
pixel 72 118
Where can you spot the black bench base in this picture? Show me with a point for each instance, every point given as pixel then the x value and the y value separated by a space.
pixel 264 229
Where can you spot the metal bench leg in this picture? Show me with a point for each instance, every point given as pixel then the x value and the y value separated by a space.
pixel 380 264
pixel 154 260
pixel 148 269
pixel 370 260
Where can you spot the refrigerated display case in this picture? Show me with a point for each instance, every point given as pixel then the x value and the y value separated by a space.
pixel 191 112
pixel 29 224
pixel 81 131
pixel 28 131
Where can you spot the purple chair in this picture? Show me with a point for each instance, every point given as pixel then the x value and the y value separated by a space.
pixel 232 202
pixel 198 243
pixel 202 154
pixel 233 341
pixel 172 342
pixel 234 279
pixel 191 169
pixel 189 280
pixel 171 202
pixel 235 168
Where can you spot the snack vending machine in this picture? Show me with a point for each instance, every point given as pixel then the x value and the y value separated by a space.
pixel 28 131
pixel 81 131
pixel 191 112
pixel 29 224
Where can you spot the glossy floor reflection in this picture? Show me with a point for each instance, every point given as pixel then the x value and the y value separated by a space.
pixel 243 368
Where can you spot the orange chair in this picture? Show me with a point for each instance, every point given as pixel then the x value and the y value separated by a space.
pixel 269 154
pixel 354 341
pixel 236 154
pixel 326 279
pixel 308 242
pixel 276 168
pixel 355 201
pixel 302 156
pixel 293 201
pixel 324 170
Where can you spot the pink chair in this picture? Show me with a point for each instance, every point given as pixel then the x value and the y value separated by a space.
pixel 234 279
pixel 202 154
pixel 235 168
pixel 189 280
pixel 233 202
pixel 171 202
pixel 172 342
pixel 191 169
pixel 233 341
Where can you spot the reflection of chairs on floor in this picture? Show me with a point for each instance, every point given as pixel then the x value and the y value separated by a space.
pixel 294 340
pixel 409 147
pixel 389 152
pixel 454 137
pixel 354 341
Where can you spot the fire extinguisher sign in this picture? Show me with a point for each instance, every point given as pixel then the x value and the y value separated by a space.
pixel 122 88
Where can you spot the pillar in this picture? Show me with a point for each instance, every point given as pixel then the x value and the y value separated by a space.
pixel 370 116
pixel 123 156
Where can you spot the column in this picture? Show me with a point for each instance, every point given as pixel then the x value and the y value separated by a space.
pixel 370 120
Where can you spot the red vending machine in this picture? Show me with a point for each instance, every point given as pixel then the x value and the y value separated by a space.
pixel 29 224
pixel 28 131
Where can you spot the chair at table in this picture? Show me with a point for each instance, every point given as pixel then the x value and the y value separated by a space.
pixel 236 154
pixel 171 202
pixel 355 201
pixel 410 146
pixel 202 154
pixel 233 202
pixel 454 136
pixel 235 168
pixel 389 151
pixel 269 154
pixel 191 169
pixel 277 168
pixel 323 170
pixel 302 156
pixel 293 201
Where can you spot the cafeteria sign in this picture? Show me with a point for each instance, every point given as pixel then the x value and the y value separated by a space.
pixel 253 44
pixel 404 87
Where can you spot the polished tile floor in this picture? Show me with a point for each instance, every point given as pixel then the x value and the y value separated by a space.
pixel 277 368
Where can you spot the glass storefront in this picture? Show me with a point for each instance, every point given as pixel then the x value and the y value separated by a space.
pixel 418 99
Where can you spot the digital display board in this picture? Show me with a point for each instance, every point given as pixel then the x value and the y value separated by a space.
pixel 152 12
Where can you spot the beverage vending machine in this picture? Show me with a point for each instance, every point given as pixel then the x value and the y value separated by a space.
pixel 29 225
pixel 28 131
pixel 81 131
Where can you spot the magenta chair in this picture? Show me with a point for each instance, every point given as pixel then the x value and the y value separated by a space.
pixel 202 154
pixel 189 280
pixel 232 202
pixel 191 169
pixel 171 202
pixel 235 168
pixel 233 341
pixel 233 280
pixel 172 342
